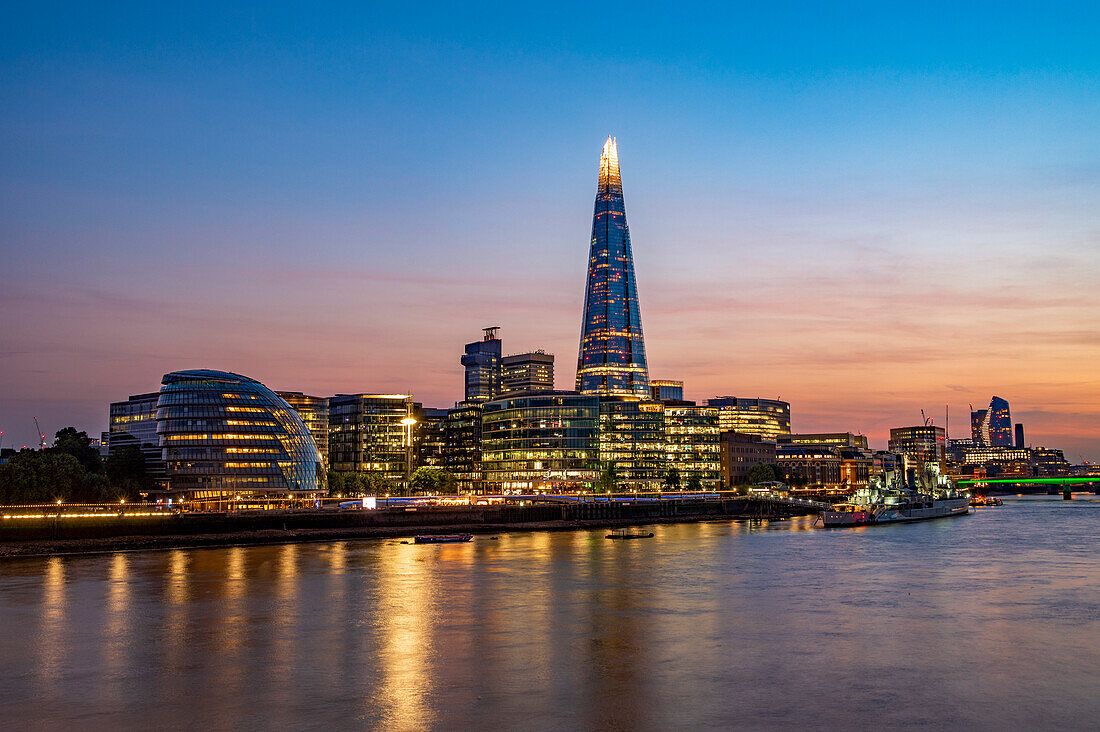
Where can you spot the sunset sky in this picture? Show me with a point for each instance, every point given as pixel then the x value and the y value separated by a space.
pixel 864 211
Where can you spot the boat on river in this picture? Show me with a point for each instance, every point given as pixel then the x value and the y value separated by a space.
pixel 623 534
pixel 985 501
pixel 442 538
pixel 875 506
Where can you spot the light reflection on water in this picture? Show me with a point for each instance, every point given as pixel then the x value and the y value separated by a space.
pixel 990 620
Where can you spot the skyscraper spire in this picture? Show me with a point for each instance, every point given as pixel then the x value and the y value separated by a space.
pixel 612 352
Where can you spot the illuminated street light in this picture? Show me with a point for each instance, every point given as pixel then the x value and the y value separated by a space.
pixel 408 421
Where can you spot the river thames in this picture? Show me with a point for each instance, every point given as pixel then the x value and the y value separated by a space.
pixel 987 621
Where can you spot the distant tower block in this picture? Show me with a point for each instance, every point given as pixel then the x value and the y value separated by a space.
pixel 532 371
pixel 482 363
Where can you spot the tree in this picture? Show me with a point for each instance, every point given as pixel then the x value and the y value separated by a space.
pixel 126 472
pixel 335 483
pixel 609 477
pixel 362 483
pixel 424 480
pixel 672 479
pixel 432 480
pixel 761 473
pixel 695 483
pixel 44 476
pixel 79 445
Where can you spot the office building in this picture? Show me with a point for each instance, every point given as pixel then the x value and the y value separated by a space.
pixel 314 413
pixel 740 453
pixel 692 445
pixel 612 360
pixel 831 439
pixel 810 469
pixel 631 437
pixel 1050 463
pixel 857 465
pixel 366 433
pixel 920 446
pixel 767 418
pixel 979 427
pixel 430 439
pixel 543 442
pixel 1019 436
pixel 527 372
pixel 133 423
pixel 462 445
pixel 224 435
pixel 1000 423
pixel 663 390
pixel 482 364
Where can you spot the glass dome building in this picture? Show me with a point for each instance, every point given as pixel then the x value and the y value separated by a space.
pixel 224 435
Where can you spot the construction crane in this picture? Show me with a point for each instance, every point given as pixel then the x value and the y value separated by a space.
pixel 41 435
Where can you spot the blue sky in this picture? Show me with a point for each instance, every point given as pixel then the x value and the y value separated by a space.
pixel 867 208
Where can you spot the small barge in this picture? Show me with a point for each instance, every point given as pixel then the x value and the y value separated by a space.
pixel 442 538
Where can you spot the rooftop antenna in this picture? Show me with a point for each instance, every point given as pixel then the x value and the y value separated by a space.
pixel 491 332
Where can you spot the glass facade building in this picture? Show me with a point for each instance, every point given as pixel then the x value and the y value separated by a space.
pixel 612 359
pixel 979 426
pixel 366 433
pixel 665 390
pixel 462 445
pixel 223 434
pixel 691 444
pixel 632 438
pixel 481 362
pixel 767 418
pixel 429 441
pixel 832 439
pixel 314 413
pixel 540 441
pixel 133 423
pixel 1000 423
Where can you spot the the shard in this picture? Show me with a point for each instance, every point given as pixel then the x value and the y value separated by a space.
pixel 612 353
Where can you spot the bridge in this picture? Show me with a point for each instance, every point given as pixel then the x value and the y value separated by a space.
pixel 1083 480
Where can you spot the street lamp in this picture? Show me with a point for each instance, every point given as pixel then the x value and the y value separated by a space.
pixel 408 422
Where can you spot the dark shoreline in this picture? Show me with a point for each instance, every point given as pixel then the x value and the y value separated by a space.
pixel 111 544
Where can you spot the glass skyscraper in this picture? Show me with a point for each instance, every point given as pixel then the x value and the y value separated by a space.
pixel 612 353
pixel 1000 423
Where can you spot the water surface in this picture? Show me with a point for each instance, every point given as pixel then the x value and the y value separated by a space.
pixel 988 621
